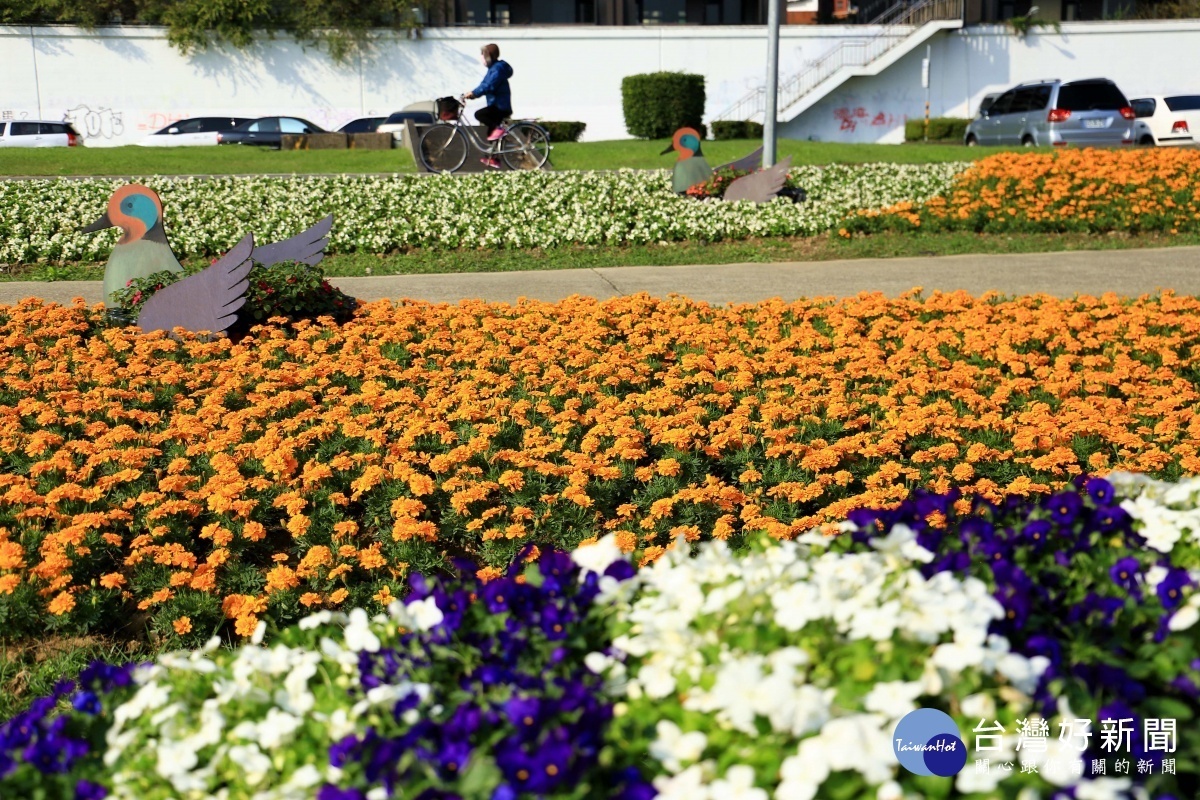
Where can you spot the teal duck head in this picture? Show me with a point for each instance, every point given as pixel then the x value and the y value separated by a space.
pixel 685 142
pixel 137 211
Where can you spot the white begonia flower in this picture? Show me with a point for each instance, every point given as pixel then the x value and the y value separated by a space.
pixel 1185 617
pixel 893 699
pixel 358 634
pixel 738 784
pixel 1024 673
pixel 687 785
pixel 597 663
pixel 175 758
pixel 260 630
pixel 599 555
pixel 251 762
pixel 656 679
pixel 277 728
pixel 316 620
pixel 426 614
pixel 978 706
pixel 889 791
pixel 1103 789
pixel 673 748
pixel 875 623
pixel 956 657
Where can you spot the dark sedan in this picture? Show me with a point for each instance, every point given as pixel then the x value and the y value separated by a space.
pixel 267 131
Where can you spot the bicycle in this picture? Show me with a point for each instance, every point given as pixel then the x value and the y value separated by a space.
pixel 445 146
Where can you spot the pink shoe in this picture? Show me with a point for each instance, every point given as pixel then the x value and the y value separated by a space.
pixel 497 134
pixel 494 163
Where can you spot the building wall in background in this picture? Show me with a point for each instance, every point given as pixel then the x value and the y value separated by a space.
pixel 119 84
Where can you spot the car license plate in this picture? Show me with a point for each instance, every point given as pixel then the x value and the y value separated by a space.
pixel 1094 123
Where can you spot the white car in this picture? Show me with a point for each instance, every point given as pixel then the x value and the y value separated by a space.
pixel 194 132
pixel 396 123
pixel 1167 120
pixel 38 133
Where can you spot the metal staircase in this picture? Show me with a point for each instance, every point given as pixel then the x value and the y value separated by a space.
pixel 904 26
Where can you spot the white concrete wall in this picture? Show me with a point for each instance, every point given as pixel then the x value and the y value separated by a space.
pixel 1142 57
pixel 118 84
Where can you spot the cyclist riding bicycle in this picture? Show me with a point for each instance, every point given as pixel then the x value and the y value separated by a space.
pixel 499 98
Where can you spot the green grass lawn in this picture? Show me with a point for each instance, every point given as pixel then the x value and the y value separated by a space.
pixel 817 248
pixel 236 159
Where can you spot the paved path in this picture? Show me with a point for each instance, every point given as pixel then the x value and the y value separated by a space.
pixel 1125 272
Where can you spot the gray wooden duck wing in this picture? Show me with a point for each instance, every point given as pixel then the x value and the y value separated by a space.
pixel 307 247
pixel 206 301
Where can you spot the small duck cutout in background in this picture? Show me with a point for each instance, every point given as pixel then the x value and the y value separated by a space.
pixel 202 300
pixel 691 168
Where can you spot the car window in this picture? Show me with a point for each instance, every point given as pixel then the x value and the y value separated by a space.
pixel 1143 107
pixel 415 116
pixel 1003 103
pixel 189 126
pixel 52 128
pixel 1189 102
pixel 268 125
pixel 222 123
pixel 1090 97
pixel 1022 101
pixel 3 125
pixel 1038 97
pixel 24 129
pixel 289 125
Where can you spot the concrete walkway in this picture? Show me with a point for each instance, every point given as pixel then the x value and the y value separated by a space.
pixel 1126 272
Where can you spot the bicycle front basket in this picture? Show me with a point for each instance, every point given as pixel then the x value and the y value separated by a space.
pixel 447 108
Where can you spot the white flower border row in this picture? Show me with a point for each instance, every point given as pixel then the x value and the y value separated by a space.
pixel 38 218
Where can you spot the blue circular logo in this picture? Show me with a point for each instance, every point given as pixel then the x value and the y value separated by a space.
pixel 927 742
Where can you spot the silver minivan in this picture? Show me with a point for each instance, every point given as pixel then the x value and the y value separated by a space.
pixel 1088 113
pixel 38 133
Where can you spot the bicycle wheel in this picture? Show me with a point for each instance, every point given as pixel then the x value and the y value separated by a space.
pixel 525 146
pixel 443 148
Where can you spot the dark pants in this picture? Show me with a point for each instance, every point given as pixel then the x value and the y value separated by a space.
pixel 491 116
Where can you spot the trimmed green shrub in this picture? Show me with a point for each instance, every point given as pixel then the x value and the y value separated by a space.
pixel 659 103
pixel 940 129
pixel 737 129
pixel 564 131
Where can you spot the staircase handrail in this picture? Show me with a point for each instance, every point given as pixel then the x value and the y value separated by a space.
pixel 897 22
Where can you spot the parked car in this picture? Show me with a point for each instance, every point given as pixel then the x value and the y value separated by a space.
pixel 1087 113
pixel 267 131
pixel 395 124
pixel 192 132
pixel 38 133
pixel 362 125
pixel 1172 121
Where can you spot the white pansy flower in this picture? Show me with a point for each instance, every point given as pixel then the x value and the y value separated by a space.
pixel 687 785
pixel 358 634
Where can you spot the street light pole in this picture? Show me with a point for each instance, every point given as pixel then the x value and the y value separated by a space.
pixel 772 99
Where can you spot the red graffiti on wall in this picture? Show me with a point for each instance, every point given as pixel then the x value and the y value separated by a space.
pixel 849 118
pixel 157 120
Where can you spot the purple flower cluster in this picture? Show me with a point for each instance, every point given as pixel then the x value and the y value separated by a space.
pixel 54 743
pixel 511 703
pixel 1071 574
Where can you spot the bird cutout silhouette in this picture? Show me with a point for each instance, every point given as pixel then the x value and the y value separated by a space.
pixel 691 168
pixel 760 186
pixel 206 301
pixel 143 248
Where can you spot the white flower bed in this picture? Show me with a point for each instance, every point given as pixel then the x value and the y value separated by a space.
pixel 504 210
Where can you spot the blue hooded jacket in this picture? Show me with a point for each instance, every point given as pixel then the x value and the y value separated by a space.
pixel 495 86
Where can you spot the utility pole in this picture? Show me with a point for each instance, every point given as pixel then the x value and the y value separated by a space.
pixel 772 99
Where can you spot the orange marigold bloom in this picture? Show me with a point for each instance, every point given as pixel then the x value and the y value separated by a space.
pixel 182 626
pixel 254 531
pixel 12 555
pixel 338 596
pixel 281 578
pixel 112 580
pixel 384 596
pixel 245 625
pixel 310 599
pixel 61 604
pixel 9 583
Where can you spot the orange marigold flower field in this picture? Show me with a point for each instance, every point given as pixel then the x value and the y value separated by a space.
pixel 199 487
pixel 1140 190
